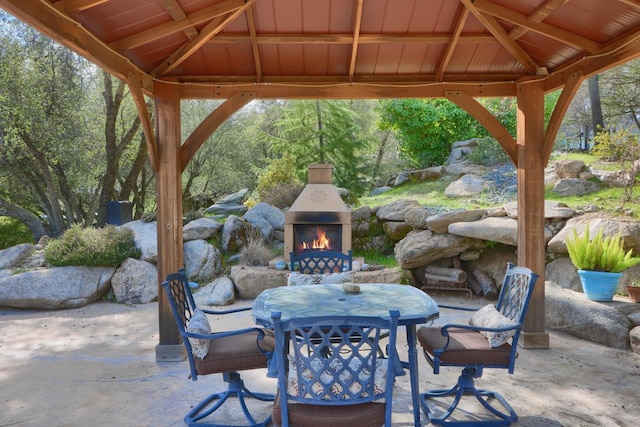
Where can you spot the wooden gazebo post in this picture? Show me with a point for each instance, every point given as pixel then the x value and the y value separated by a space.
pixel 531 242
pixel 169 197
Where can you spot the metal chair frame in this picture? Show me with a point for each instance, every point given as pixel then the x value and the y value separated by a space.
pixel 320 261
pixel 515 295
pixel 313 336
pixel 183 306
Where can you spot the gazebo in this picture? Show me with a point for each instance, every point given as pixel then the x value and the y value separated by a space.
pixel 240 50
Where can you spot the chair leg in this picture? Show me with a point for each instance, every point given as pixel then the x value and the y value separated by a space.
pixel 236 389
pixel 466 386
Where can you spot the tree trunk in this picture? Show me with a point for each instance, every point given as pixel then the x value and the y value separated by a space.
pixel 320 134
pixel 597 120
pixel 30 220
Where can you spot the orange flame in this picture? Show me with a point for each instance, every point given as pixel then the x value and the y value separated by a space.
pixel 322 242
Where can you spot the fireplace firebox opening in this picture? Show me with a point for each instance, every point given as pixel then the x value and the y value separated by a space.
pixel 317 237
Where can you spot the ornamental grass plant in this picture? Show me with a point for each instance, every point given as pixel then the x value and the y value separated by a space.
pixel 600 253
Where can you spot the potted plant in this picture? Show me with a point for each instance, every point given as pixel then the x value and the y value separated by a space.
pixel 633 290
pixel 600 262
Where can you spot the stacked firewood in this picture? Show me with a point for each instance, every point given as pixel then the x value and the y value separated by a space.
pixel 455 278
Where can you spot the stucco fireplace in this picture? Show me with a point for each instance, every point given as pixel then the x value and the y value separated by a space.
pixel 318 219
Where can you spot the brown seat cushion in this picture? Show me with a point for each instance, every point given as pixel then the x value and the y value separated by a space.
pixel 235 353
pixel 302 415
pixel 465 347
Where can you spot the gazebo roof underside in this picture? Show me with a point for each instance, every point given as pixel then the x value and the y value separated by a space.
pixel 342 48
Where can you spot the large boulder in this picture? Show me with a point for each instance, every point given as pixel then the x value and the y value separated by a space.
pixel 568 168
pixel 468 185
pixel 570 312
pixel 396 211
pixel 422 247
pixel 575 187
pixel 562 272
pixel 145 238
pixel 552 210
pixel 629 229
pixel 135 282
pixel 440 223
pixel 55 288
pixel 201 228
pixel 396 230
pixel 11 256
pixel 218 292
pixel 251 281
pixel 236 233
pixel 361 221
pixel 418 217
pixel 202 260
pixel 265 218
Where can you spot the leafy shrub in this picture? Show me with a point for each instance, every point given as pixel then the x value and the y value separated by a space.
pixel 255 253
pixel 108 246
pixel 599 253
pixel 489 152
pixel 282 196
pixel 624 148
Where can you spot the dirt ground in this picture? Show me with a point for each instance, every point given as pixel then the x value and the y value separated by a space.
pixel 95 366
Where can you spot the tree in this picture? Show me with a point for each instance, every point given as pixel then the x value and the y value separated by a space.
pixel 597 120
pixel 427 128
pixel 324 132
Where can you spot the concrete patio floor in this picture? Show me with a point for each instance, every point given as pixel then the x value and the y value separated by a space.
pixel 95 366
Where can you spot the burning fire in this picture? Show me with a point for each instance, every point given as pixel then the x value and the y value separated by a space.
pixel 322 242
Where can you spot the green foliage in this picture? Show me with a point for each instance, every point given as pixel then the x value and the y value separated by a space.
pixel 13 232
pixel 108 246
pixel 324 131
pixel 623 148
pixel 278 184
pixel 488 152
pixel 427 128
pixel 600 253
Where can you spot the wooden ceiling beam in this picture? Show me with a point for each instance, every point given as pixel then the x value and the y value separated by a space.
pixel 539 15
pixel 501 35
pixel 463 14
pixel 251 23
pixel 356 38
pixel 174 9
pixel 72 6
pixel 347 90
pixel 348 38
pixel 546 30
pixel 157 32
pixel 210 30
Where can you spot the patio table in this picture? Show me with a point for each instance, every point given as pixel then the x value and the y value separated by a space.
pixel 374 299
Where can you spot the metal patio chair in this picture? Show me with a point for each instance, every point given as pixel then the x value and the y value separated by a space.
pixel 218 352
pixel 320 262
pixel 349 388
pixel 464 345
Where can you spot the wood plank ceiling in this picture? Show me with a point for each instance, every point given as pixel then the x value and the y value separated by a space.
pixel 342 48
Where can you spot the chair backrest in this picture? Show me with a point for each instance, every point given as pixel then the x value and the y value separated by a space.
pixel 334 361
pixel 178 292
pixel 515 293
pixel 320 262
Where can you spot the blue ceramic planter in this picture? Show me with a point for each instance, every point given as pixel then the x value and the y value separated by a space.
pixel 599 285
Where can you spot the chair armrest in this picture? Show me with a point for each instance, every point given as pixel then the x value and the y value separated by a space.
pixel 455 307
pixel 233 310
pixel 444 330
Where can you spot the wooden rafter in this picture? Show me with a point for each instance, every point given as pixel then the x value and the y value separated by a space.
pixel 71 6
pixel 251 23
pixel 546 30
pixel 501 35
pixel 486 119
pixel 175 11
pixel 634 3
pixel 210 30
pixel 204 15
pixel 538 15
pixel 571 86
pixel 463 13
pixel 348 38
pixel 211 123
pixel 356 38
pixel 145 119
